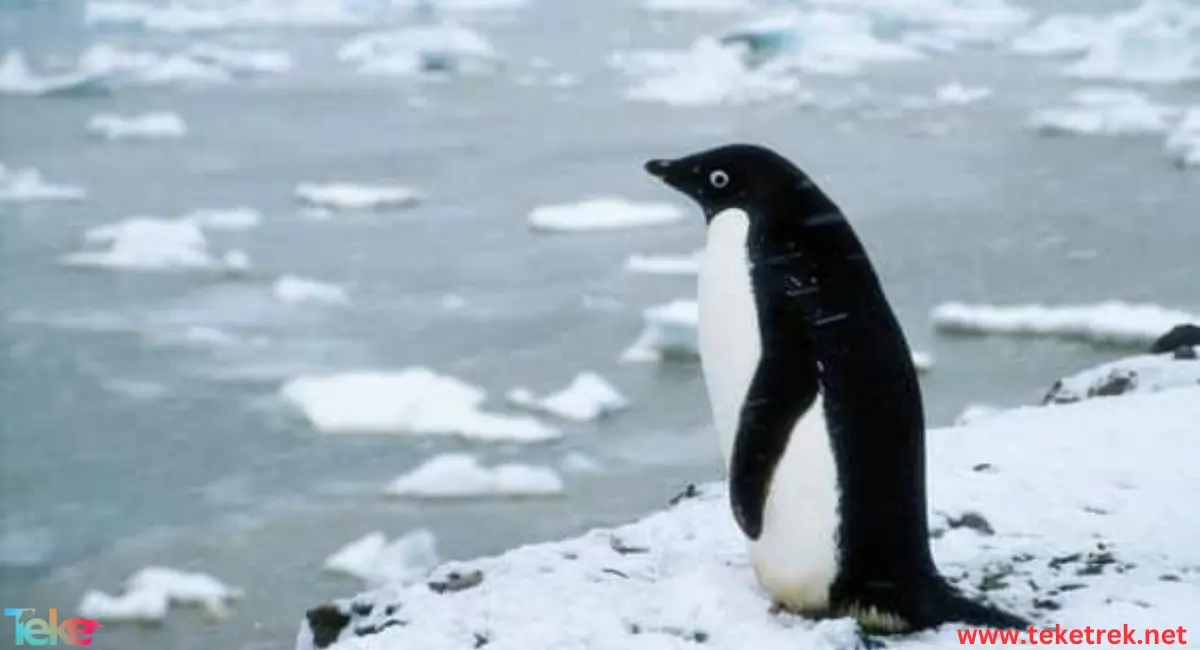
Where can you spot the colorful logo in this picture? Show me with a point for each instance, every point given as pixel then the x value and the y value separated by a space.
pixel 39 631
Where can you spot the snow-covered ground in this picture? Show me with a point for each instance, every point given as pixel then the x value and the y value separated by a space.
pixel 1086 517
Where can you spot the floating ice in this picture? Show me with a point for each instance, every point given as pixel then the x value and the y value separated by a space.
pixel 817 41
pixel 26 185
pixel 602 213
pixel 956 94
pixel 413 401
pixel 1091 510
pixel 922 361
pixel 375 561
pixel 700 6
pixel 293 288
pixel 1110 323
pixel 149 68
pixel 145 126
pixel 588 397
pixel 354 196
pixel 664 264
pixel 1183 143
pixel 461 476
pixel 669 332
pixel 240 62
pixel 1156 42
pixel 150 244
pixel 17 79
pixel 1060 34
pixel 150 591
pixel 973 413
pixel 441 48
pixel 239 218
pixel 1105 111
pixel 579 463
pixel 1145 373
pixel 708 73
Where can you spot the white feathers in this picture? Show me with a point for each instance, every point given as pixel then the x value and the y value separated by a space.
pixel 796 557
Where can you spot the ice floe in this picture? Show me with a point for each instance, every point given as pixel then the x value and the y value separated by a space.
pixel 1146 373
pixel 151 244
pixel 602 213
pixel 1157 41
pixel 1182 145
pixel 150 591
pixel 240 61
pixel 293 288
pixel 669 331
pixel 587 397
pixel 27 185
pixel 419 49
pixel 707 73
pixel 357 196
pixel 1105 111
pixel 663 264
pixel 16 78
pixel 415 401
pixel 957 94
pixel 149 68
pixel 922 361
pixel 1111 323
pixel 375 560
pixel 456 475
pixel 146 126
pixel 700 6
pixel 1085 517
pixel 237 218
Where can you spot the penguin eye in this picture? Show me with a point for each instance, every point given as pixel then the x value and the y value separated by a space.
pixel 718 178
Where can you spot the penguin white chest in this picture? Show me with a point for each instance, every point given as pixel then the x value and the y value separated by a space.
pixel 795 558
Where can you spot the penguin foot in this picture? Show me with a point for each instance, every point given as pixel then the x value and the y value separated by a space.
pixel 893 610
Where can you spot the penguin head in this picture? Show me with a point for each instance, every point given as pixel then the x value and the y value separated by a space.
pixel 745 176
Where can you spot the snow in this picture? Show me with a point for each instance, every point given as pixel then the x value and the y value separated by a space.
pixel 1105 111
pixel 456 475
pixel 152 244
pixel 376 561
pixel 148 126
pixel 1183 143
pixel 27 185
pixel 1090 520
pixel 419 49
pixel 412 401
pixel 588 397
pixel 293 288
pixel 150 591
pixel 1111 323
pixel 1146 373
pixel 602 213
pixel 357 196
pixel 17 79
pixel 664 264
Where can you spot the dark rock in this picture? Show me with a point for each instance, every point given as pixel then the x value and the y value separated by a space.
pixel 689 492
pixel 1118 383
pixel 1186 353
pixel 1182 335
pixel 326 622
pixel 1047 604
pixel 457 581
pixel 972 520
pixel 983 467
pixel 625 549
pixel 614 572
pixel 481 640
pixel 1058 562
pixel 361 608
pixel 1169 577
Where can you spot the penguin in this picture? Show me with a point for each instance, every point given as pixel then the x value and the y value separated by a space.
pixel 815 400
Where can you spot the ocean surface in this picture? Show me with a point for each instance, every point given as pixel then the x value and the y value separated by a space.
pixel 125 443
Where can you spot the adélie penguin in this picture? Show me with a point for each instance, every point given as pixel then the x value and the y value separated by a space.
pixel 815 398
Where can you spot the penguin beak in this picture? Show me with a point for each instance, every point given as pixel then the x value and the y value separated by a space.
pixel 658 168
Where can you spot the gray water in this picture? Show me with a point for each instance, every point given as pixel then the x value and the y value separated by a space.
pixel 123 447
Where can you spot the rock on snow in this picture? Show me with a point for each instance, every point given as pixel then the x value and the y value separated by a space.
pixel 1077 515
